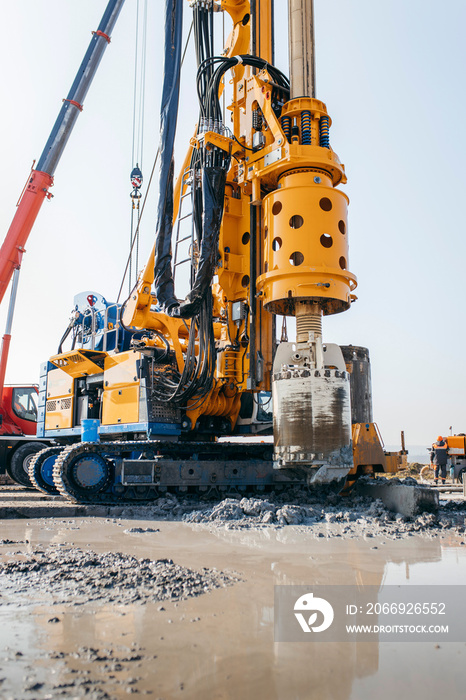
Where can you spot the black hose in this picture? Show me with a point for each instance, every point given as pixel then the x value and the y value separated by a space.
pixel 65 335
pixel 195 381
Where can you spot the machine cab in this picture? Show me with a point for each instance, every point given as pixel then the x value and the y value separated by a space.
pixel 20 407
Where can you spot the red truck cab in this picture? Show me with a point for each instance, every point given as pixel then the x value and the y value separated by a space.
pixel 18 422
pixel 19 416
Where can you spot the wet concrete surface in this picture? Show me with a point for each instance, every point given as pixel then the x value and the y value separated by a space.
pixel 218 644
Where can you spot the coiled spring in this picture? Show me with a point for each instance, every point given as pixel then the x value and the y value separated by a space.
pixel 286 126
pixel 306 127
pixel 324 132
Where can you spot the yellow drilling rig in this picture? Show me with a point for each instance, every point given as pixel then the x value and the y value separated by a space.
pixel 257 228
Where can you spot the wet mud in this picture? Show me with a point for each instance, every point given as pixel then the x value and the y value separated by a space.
pixel 61 574
pixel 175 600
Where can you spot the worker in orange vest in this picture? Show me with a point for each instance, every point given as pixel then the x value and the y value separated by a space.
pixel 439 458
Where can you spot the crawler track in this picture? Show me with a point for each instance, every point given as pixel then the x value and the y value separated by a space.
pixel 92 472
pixel 36 474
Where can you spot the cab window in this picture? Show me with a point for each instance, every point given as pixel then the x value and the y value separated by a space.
pixel 24 403
pixel 264 410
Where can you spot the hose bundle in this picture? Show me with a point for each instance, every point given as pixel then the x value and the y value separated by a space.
pixel 209 167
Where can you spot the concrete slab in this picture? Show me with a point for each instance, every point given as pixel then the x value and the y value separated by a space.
pixel 409 500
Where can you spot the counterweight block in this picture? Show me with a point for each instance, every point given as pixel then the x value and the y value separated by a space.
pixel 312 423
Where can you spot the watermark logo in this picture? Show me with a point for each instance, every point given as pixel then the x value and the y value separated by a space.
pixel 410 613
pixel 310 604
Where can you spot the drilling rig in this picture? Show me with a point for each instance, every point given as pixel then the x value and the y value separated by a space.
pixel 258 226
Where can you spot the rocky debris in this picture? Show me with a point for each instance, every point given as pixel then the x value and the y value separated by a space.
pixel 94 673
pixel 35 686
pixel 291 515
pixel 77 576
pixel 229 509
pixel 331 516
pixel 256 506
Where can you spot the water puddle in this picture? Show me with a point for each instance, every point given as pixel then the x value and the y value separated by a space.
pixel 220 645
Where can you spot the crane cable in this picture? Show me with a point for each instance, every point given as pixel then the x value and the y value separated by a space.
pixel 135 236
pixel 140 53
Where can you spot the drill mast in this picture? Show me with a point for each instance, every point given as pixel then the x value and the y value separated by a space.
pixel 282 246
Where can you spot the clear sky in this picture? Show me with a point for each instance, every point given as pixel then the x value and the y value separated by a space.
pixel 392 76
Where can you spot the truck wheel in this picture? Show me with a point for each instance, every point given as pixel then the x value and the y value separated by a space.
pixel 19 465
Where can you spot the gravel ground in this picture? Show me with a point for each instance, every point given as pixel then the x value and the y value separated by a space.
pixel 349 519
pixel 62 574
pixel 39 577
pixel 334 516
pixel 102 673
pixel 56 581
